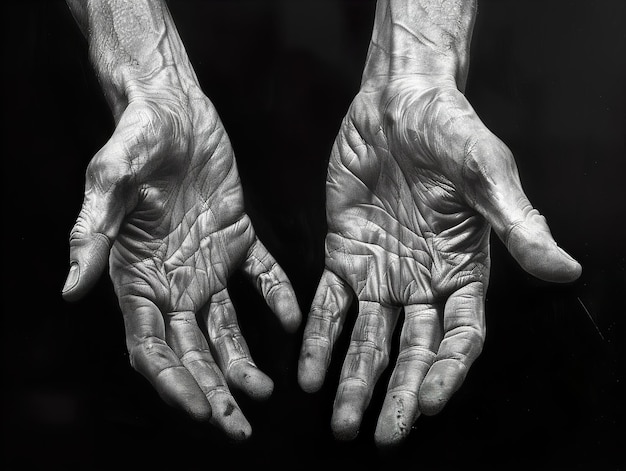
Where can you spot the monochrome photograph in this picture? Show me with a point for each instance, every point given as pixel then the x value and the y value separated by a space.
pixel 314 234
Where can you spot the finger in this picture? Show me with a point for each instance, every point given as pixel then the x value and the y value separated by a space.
pixel 231 350
pixel 491 184
pixel 328 313
pixel 190 345
pixel 484 171
pixel 273 284
pixel 367 357
pixel 525 232
pixel 151 356
pixel 464 334
pixel 419 340
pixel 104 207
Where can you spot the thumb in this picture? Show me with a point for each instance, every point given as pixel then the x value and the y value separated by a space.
pixel 532 245
pixel 483 170
pixel 97 225
pixel 492 186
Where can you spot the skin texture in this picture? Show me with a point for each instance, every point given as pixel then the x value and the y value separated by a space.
pixel 415 184
pixel 164 208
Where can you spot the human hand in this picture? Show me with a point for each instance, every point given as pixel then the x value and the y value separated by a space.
pixel 415 182
pixel 163 203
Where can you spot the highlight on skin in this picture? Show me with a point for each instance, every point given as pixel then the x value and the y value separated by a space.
pixel 164 210
pixel 415 184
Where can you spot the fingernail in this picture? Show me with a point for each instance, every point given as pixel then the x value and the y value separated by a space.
pixel 72 278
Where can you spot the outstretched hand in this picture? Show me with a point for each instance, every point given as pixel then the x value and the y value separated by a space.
pixel 415 182
pixel 163 203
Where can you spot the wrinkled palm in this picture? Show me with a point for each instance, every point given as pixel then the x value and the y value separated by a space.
pixel 415 183
pixel 164 196
pixel 403 234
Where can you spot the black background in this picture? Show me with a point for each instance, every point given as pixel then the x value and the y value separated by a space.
pixel 547 393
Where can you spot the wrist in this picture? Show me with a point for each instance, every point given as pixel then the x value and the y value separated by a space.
pixel 122 86
pixel 137 53
pixel 421 37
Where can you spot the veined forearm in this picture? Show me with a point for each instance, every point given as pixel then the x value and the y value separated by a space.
pixel 421 37
pixel 135 48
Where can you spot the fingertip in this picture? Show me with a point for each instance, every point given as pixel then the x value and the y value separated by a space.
pixel 431 400
pixel 531 243
pixel 397 416
pixel 89 257
pixel 244 433
pixel 199 411
pixel 309 383
pixel 254 383
pixel 441 382
pixel 68 292
pixel 574 269
pixel 311 372
pixel 237 428
pixel 345 422
pixel 387 440
pixel 538 254
pixel 228 417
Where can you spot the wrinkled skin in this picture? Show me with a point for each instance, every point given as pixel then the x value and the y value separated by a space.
pixel 163 196
pixel 415 183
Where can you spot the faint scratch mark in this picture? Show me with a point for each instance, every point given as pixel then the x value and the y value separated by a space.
pixel 591 319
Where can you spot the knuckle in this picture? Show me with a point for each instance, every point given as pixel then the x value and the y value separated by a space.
pixel 484 155
pixel 196 356
pixel 354 381
pixel 82 225
pixel 365 351
pixel 149 349
pixel 474 334
pixel 228 330
pixel 417 339
pixel 315 340
pixel 366 346
pixel 469 341
pixel 413 353
pixel 217 394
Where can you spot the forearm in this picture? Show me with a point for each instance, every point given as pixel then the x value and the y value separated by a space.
pixel 430 37
pixel 135 49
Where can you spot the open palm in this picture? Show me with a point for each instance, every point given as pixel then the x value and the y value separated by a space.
pixel 163 199
pixel 415 182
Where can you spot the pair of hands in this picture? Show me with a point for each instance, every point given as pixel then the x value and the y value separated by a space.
pixel 415 182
